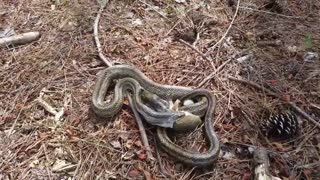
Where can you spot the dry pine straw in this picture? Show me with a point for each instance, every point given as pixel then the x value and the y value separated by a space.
pixel 63 65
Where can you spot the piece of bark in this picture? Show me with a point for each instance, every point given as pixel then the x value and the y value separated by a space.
pixel 261 165
pixel 19 39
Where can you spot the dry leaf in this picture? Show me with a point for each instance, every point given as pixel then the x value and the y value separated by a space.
pixel 124 136
pixel 133 173
pixel 138 143
pixel 117 124
pixel 129 144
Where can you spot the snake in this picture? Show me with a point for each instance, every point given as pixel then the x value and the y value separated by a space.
pixel 130 80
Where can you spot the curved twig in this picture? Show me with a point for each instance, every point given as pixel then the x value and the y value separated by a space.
pixel 106 60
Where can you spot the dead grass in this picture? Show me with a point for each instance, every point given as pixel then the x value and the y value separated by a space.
pixel 63 64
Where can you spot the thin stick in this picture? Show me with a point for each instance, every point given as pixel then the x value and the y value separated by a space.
pixel 106 60
pixel 254 85
pixel 195 49
pixel 162 169
pixel 227 31
pixel 305 140
pixel 315 106
pixel 294 106
pixel 304 114
pixel 141 130
pixel 271 13
pixel 213 73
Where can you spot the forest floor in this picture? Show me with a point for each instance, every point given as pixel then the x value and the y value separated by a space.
pixel 266 43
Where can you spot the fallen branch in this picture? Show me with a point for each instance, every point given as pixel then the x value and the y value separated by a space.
pixel 261 165
pixel 19 39
pixel 107 61
pixel 227 31
pixel 294 106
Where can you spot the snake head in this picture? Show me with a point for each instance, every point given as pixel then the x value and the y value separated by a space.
pixel 188 122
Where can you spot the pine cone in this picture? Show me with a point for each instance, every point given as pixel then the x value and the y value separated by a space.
pixel 281 126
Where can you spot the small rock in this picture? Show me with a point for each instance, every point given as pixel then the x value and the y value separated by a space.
pixel 53 7
pixel 228 155
pixel 188 102
pixel 244 58
pixel 311 57
pixel 137 22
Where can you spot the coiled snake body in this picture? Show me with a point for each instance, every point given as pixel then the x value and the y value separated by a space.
pixel 128 80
